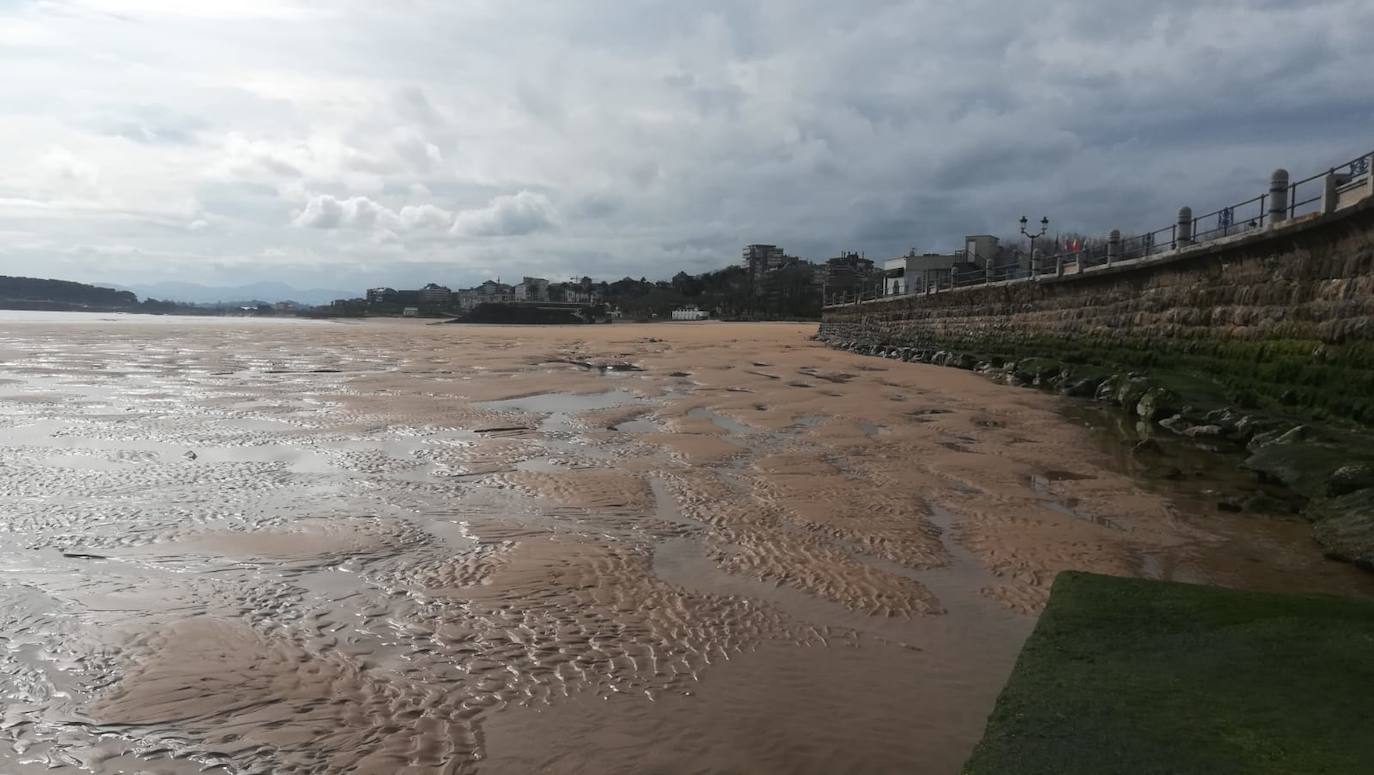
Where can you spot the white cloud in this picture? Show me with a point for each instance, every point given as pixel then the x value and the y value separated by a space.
pixel 63 168
pixel 512 215
pixel 324 211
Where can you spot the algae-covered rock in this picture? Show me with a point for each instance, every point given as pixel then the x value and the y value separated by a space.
pixel 1204 432
pixel 1130 392
pixel 1110 386
pixel 1349 478
pixel 1037 371
pixel 1249 426
pixel 1345 527
pixel 1082 387
pixel 1279 435
pixel 1156 403
pixel 965 362
pixel 1303 467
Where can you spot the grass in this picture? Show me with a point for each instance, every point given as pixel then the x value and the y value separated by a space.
pixel 1143 677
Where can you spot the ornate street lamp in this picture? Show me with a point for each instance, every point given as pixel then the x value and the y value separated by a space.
pixel 1033 236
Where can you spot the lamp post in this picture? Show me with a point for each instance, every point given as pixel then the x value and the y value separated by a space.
pixel 1033 236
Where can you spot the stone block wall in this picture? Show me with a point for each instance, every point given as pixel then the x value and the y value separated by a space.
pixel 1277 319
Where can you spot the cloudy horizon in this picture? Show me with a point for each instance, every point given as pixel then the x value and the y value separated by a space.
pixel 344 145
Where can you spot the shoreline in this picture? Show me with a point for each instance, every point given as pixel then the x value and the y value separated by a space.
pixel 1327 472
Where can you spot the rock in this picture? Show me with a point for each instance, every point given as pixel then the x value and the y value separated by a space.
pixel 1349 478
pixel 1279 436
pixel 1130 393
pixel 1178 424
pixel 1156 403
pixel 1345 527
pixel 1084 387
pixel 1205 432
pixel 1175 474
pixel 1107 390
pixel 1248 426
pixel 1303 467
pixel 190 455
pixel 965 362
pixel 1296 434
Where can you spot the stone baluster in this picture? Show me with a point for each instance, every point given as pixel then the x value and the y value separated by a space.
pixel 1331 194
pixel 1278 197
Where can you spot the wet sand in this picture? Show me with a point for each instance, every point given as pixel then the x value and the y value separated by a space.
pixel 258 546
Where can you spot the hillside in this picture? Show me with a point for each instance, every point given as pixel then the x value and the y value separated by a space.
pixel 34 293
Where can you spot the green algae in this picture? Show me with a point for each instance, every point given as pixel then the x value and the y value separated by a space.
pixel 1148 677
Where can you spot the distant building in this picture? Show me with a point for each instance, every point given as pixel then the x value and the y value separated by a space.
pixel 348 306
pixel 763 260
pixel 377 296
pixel 917 274
pixel 466 300
pixel 849 274
pixel 982 248
pixel 987 253
pixel 531 289
pixel 492 291
pixel 690 313
pixel 434 295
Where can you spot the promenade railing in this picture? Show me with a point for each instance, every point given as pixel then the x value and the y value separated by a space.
pixel 1324 192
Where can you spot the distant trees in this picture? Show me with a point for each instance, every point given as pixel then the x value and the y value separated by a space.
pixel 65 292
pixel 791 292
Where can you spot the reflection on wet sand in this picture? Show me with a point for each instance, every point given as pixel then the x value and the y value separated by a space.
pixel 296 547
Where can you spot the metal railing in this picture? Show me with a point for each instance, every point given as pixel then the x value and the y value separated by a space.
pixel 1286 200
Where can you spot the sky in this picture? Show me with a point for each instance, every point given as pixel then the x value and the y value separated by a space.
pixel 348 144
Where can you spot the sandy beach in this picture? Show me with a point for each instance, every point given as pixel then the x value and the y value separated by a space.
pixel 390 547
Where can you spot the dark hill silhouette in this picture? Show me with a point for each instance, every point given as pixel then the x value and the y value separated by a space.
pixel 35 293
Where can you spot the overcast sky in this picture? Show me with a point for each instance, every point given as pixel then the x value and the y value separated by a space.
pixel 344 144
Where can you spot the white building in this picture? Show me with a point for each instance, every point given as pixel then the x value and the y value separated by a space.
pixel 690 313
pixel 914 274
pixel 532 289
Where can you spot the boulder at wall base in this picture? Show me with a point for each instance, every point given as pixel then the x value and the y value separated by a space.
pixel 1279 435
pixel 1084 387
pixel 1156 403
pixel 1130 392
pixel 966 362
pixel 1110 387
pixel 1303 467
pixel 1204 432
pixel 1345 527
pixel 1035 371
pixel 1349 478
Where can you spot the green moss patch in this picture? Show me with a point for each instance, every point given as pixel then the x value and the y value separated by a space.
pixel 1140 677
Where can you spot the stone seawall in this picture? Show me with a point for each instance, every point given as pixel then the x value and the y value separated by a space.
pixel 1281 320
